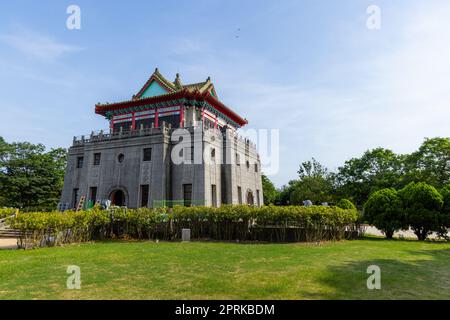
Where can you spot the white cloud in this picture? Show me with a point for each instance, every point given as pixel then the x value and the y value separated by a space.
pixel 36 45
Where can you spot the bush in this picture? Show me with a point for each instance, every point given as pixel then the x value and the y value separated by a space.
pixel 6 212
pixel 423 208
pixel 445 192
pixel 346 204
pixel 384 210
pixel 294 223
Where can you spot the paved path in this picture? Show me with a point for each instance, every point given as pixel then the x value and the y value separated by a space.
pixel 8 243
pixel 406 234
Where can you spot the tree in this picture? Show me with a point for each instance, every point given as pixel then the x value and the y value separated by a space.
pixel 423 205
pixel 346 204
pixel 284 195
pixel 314 184
pixel 30 176
pixel 384 210
pixel 445 192
pixel 270 192
pixel 430 164
pixel 375 170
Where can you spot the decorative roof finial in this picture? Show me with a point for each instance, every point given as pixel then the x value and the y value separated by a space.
pixel 177 81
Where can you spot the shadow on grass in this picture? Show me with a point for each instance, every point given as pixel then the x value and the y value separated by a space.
pixel 423 274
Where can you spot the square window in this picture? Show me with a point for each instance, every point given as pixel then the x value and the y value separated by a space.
pixel 80 161
pixel 97 157
pixel 147 154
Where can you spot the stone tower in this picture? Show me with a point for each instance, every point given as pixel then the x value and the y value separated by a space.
pixel 171 144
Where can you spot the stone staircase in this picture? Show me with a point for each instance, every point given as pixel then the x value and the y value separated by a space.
pixel 6 232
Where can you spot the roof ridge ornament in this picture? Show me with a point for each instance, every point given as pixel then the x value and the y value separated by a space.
pixel 178 82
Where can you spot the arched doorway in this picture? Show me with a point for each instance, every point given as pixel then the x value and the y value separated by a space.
pixel 250 200
pixel 118 198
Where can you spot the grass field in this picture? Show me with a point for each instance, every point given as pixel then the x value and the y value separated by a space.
pixel 209 270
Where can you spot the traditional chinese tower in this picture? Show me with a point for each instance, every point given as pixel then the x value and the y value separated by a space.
pixel 133 164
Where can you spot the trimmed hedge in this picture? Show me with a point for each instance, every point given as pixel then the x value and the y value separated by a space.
pixel 6 212
pixel 229 223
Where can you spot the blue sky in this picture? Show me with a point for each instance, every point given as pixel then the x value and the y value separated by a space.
pixel 309 68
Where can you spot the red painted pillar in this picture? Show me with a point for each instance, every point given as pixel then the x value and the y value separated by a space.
pixel 156 118
pixel 181 116
pixel 111 125
pixel 133 121
pixel 215 123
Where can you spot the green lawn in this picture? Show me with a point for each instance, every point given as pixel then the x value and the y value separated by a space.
pixel 210 270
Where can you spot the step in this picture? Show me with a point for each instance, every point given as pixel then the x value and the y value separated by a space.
pixel 9 233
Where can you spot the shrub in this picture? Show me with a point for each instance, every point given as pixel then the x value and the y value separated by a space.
pixel 294 223
pixel 445 192
pixel 423 206
pixel 346 204
pixel 6 212
pixel 384 210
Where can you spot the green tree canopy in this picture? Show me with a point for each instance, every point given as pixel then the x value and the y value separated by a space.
pixel 314 184
pixel 376 169
pixel 430 164
pixel 30 176
pixel 423 208
pixel 271 194
pixel 384 210
pixel 346 204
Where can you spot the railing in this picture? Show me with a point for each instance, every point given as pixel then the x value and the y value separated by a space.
pixel 106 135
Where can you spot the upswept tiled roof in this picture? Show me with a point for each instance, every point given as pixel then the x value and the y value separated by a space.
pixel 199 94
pixel 176 85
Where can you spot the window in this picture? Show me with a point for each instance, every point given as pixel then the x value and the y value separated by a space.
pixel 80 161
pixel 248 164
pixel 172 120
pixel 257 198
pixel 213 196
pixel 187 194
pixel 148 154
pixel 256 167
pixel 239 195
pixel 145 188
pixel 93 195
pixel 97 157
pixel 213 154
pixel 120 158
pixel 74 198
pixel 238 159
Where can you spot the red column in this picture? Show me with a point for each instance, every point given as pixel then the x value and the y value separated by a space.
pixel 215 123
pixel 133 121
pixel 156 118
pixel 181 116
pixel 111 124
